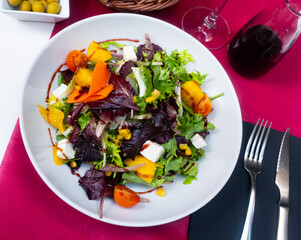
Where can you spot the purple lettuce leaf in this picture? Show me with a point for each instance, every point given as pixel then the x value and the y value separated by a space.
pixel 87 144
pixel 114 101
pixel 165 118
pixel 140 133
pixel 148 48
pixel 73 115
pixel 93 182
pixel 160 130
pixel 97 185
pixel 67 76
pixel 126 68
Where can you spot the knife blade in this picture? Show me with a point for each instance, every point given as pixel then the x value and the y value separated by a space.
pixel 282 182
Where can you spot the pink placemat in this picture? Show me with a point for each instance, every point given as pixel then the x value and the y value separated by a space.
pixel 30 210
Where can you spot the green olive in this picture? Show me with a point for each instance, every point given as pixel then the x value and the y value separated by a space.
pixel 14 3
pixel 25 6
pixel 38 7
pixel 45 4
pixel 53 8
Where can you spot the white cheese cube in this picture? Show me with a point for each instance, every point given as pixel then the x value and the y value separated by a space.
pixel 198 141
pixel 129 54
pixel 152 150
pixel 65 149
pixel 60 91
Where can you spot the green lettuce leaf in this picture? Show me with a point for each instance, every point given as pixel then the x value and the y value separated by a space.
pixel 84 119
pixel 190 124
pixel 113 151
pixel 189 179
pixel 172 165
pixel 170 148
pixel 63 106
pixel 106 45
pixel 131 177
pixel 189 168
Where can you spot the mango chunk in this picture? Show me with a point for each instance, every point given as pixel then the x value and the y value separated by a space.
pixel 54 116
pixel 96 53
pixel 191 94
pixel 57 160
pixel 145 172
pixel 83 77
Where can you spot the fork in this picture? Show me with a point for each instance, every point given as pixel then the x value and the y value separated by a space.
pixel 252 164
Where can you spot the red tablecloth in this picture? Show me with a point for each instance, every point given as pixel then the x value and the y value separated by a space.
pixel 30 210
pixel 274 96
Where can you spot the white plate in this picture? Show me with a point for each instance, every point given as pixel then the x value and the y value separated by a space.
pixel 36 16
pixel 181 200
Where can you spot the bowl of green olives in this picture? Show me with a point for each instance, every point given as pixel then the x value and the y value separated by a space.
pixel 37 10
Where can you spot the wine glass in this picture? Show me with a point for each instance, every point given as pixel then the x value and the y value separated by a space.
pixel 207 25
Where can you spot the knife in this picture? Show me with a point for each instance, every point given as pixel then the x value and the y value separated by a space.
pixel 282 181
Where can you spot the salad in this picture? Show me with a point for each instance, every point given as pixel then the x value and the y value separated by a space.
pixel 133 113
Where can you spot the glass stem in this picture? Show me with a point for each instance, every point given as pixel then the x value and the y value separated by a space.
pixel 210 20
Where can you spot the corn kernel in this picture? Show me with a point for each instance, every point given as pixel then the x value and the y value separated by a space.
pixel 119 137
pixel 188 151
pixel 108 174
pixel 73 164
pixel 91 163
pixel 128 137
pixel 183 146
pixel 156 93
pixel 160 192
pixel 123 132
pixel 150 99
pixel 135 100
pixel 117 142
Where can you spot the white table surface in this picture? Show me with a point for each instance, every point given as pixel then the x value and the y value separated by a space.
pixel 20 43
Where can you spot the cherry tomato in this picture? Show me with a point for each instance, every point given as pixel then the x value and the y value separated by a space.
pixel 205 106
pixel 76 59
pixel 125 197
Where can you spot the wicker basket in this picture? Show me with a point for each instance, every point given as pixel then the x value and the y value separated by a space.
pixel 138 5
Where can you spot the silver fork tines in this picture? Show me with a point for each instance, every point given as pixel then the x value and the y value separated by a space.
pixel 252 163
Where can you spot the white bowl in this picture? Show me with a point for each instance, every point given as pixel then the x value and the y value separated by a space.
pixel 181 200
pixel 35 16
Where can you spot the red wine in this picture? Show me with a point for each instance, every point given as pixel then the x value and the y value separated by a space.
pixel 255 51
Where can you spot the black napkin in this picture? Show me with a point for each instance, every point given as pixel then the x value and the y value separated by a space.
pixel 223 217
